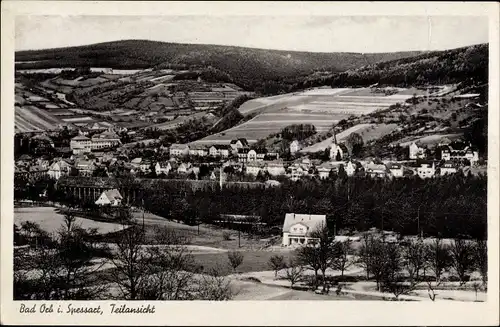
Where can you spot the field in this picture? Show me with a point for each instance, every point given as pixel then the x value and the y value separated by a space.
pixel 367 131
pixel 50 221
pixel 321 107
pixel 33 119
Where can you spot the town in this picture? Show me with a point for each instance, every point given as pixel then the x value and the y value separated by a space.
pixel 247 174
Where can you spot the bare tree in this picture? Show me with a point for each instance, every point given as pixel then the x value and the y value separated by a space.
pixel 481 259
pixel 414 258
pixel 372 257
pixel 309 257
pixel 293 272
pixel 235 259
pixel 437 258
pixel 393 279
pixel 130 263
pixel 343 261
pixel 276 262
pixel 326 250
pixel 462 255
pixel 215 287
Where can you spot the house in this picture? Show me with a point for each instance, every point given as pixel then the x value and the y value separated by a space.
pixel 397 170
pixel 110 197
pixel 136 162
pixel 271 155
pixel 58 169
pixel 460 151
pixel 276 168
pixel 294 147
pixel 80 144
pixel 163 168
pixel 350 168
pixel 297 228
pixel 324 170
pixel 376 170
pixel 37 171
pixel 219 151
pixel 297 172
pixel 239 144
pixel 416 152
pixel 253 168
pixel 43 139
pixel 448 167
pixel 179 150
pixel 426 170
pixel 106 139
pixel 145 166
pixel 251 156
pixel 184 168
pixel 198 150
pixel 85 167
pixel 338 151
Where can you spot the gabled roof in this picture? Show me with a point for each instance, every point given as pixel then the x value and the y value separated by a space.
pixel 176 146
pixel 312 222
pixel 80 138
pixel 113 194
pixel 197 147
pixel 136 160
pixel 222 147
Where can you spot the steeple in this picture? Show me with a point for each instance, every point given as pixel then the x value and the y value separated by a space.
pixel 334 136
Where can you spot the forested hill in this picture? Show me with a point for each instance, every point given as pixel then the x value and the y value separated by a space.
pixel 247 65
pixel 467 65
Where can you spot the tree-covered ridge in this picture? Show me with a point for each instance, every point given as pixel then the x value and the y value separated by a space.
pixel 467 65
pixel 247 65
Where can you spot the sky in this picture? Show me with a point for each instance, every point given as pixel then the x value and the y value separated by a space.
pixel 293 33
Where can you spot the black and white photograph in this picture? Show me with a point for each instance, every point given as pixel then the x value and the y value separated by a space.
pixel 250 158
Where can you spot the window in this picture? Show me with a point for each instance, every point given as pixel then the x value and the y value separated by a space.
pixel 294 229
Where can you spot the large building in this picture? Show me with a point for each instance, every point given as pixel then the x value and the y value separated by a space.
pixel 179 150
pixel 297 228
pixel 83 144
pixel 457 152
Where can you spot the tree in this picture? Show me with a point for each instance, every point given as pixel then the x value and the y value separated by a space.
pixel 326 249
pixel 214 287
pixel 481 259
pixel 293 272
pixel 371 256
pixel 342 261
pixel 462 255
pixel 355 143
pixel 437 258
pixel 130 263
pixel 308 256
pixel 414 257
pixel 277 262
pixel 235 259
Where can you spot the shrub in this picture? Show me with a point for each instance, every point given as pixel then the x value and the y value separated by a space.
pixel 226 236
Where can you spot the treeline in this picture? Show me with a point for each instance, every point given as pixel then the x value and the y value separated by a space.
pixel 256 69
pixel 446 206
pixel 468 65
pixel 298 132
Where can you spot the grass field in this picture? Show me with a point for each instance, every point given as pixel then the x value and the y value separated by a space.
pixel 50 221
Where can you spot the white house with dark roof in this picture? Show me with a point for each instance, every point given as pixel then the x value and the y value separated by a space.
pixel 178 150
pixel 110 197
pixel 294 147
pixel 448 168
pixel 59 168
pixel 297 228
pixel 80 144
pixel 163 168
pixel 221 150
pixel 396 169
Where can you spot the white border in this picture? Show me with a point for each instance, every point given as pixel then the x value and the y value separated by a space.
pixel 256 312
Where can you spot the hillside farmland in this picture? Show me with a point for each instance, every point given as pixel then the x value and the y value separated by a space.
pixel 321 107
